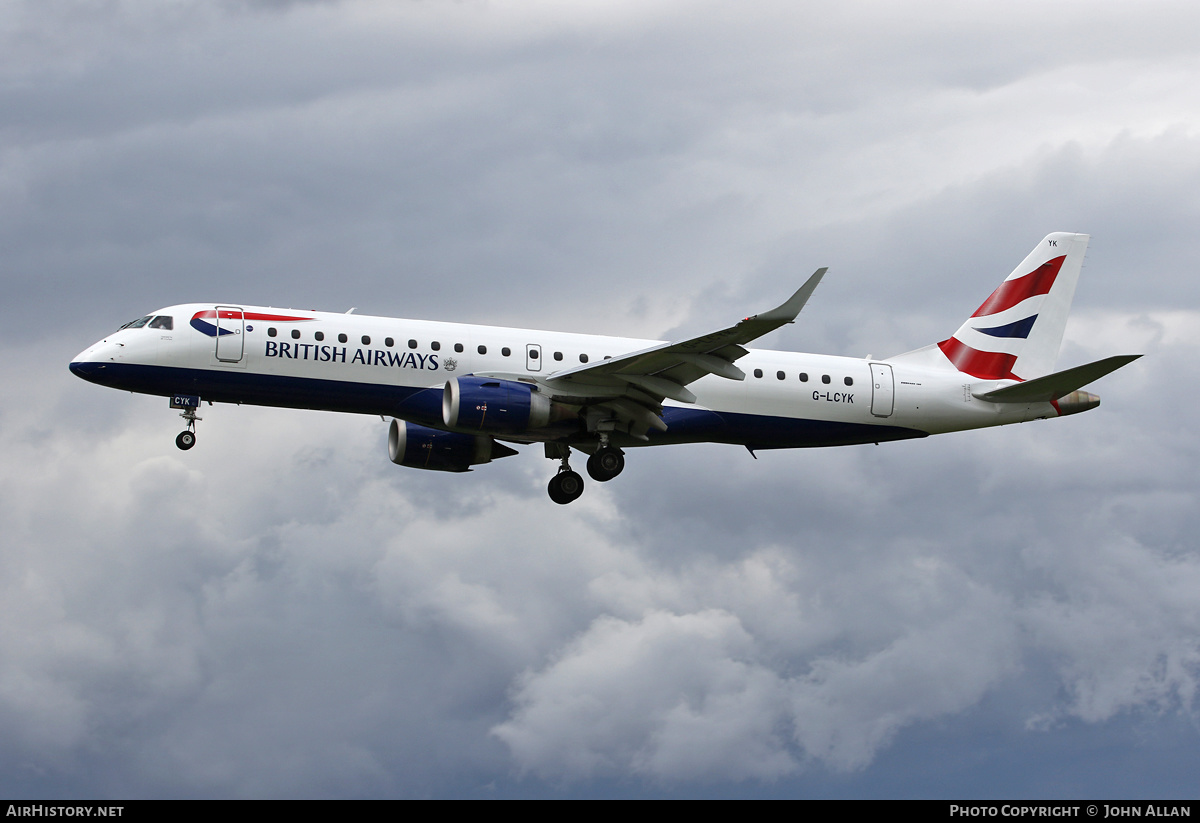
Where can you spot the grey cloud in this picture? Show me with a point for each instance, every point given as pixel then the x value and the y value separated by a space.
pixel 282 612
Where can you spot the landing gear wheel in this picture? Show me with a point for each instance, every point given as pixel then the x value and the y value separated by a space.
pixel 605 464
pixel 565 487
pixel 187 437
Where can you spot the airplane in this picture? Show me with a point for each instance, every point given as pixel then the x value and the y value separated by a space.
pixel 459 394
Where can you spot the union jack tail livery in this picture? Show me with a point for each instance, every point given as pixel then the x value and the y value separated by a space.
pixel 1015 336
pixel 1016 333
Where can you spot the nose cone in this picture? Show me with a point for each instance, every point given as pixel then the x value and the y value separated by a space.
pixel 88 365
pixel 85 369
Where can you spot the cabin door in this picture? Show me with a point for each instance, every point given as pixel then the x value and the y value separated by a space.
pixel 883 392
pixel 231 334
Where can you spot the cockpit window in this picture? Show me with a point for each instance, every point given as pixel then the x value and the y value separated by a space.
pixel 163 322
pixel 136 324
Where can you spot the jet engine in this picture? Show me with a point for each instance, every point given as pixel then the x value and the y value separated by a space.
pixel 491 405
pixel 419 447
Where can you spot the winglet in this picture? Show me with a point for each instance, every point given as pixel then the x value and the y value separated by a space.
pixel 755 327
pixel 786 313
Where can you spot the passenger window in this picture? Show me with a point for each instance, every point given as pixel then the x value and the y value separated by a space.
pixel 803 377
pixel 458 347
pixel 412 344
pixel 533 354
pixel 271 332
pixel 849 381
pixel 482 349
pixel 295 334
pixel 162 322
pixel 342 338
pixel 583 358
pixel 758 372
pixel 366 340
pixel 435 345
pixel 825 378
pixel 780 375
pixel 558 355
pixel 506 351
pixel 389 342
pixel 319 336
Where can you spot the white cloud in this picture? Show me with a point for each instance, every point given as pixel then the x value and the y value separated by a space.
pixel 669 696
pixel 636 695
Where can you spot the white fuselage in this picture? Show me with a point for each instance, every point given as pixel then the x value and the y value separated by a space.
pixel 378 365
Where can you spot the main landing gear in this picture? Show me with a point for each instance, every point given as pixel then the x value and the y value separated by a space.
pixel 605 464
pixel 565 486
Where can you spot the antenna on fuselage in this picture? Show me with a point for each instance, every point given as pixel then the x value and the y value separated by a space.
pixel 352 310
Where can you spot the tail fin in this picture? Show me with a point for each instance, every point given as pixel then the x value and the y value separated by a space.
pixel 1016 333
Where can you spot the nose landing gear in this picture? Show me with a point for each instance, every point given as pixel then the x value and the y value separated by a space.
pixel 187 437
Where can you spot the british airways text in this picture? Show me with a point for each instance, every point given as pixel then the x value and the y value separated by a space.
pixel 337 354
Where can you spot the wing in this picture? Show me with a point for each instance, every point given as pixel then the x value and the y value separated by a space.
pixel 630 389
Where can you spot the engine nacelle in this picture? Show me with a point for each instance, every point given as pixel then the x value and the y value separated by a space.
pixel 488 404
pixel 419 447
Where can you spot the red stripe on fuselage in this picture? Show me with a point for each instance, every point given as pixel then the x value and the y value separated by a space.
pixel 250 315
pixel 1012 292
pixel 278 318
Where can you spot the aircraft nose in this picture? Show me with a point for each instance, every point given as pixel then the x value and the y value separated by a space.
pixel 87 365
pixel 82 369
pixel 89 370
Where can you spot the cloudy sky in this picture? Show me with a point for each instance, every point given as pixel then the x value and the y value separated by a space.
pixel 283 612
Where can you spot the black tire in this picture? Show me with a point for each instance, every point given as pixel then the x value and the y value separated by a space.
pixel 186 440
pixel 555 490
pixel 565 487
pixel 605 464
pixel 571 484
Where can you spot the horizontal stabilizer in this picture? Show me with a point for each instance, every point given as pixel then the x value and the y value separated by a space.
pixel 1053 386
